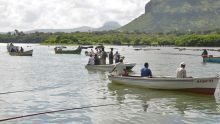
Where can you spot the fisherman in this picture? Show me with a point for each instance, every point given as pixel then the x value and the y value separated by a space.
pixel 92 52
pixel 21 50
pixel 181 72
pixel 91 60
pixel 111 56
pixel 97 51
pixel 205 53
pixel 146 72
pixel 96 60
pixel 79 48
pixel 11 44
pixel 104 55
pixel 117 57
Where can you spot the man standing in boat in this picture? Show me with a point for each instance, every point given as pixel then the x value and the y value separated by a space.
pixel 181 72
pixel 96 60
pixel 111 56
pixel 205 53
pixel 117 57
pixel 146 72
pixel 104 55
pixel 91 60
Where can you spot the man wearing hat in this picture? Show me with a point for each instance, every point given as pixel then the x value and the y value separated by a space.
pixel 181 72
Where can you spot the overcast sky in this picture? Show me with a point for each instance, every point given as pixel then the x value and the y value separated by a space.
pixel 59 14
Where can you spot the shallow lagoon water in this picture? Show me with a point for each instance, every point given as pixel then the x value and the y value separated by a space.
pixel 51 82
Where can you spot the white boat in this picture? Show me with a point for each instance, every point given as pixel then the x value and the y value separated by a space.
pixel 108 67
pixel 206 85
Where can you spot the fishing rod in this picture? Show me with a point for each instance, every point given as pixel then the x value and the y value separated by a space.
pixel 55 111
pixel 18 91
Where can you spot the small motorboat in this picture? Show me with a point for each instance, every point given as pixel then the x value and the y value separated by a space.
pixel 18 51
pixel 59 50
pixel 24 53
pixel 204 85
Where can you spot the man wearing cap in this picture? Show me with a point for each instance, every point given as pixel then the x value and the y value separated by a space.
pixel 181 72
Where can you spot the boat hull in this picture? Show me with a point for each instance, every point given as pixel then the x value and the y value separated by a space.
pixel 62 51
pixel 25 53
pixel 197 85
pixel 86 47
pixel 211 59
pixel 108 67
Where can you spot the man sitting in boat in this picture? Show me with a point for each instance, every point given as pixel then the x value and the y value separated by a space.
pixel 181 72
pixel 146 72
pixel 91 60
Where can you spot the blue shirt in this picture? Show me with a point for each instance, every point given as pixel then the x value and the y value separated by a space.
pixel 145 72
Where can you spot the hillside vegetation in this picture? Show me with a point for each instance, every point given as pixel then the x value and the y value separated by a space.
pixel 163 16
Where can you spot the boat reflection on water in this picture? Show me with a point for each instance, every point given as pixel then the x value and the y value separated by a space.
pixel 164 102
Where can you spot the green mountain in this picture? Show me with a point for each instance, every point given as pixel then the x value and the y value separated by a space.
pixel 177 15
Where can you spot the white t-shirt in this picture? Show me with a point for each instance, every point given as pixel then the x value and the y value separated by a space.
pixel 181 73
pixel 119 68
pixel 91 61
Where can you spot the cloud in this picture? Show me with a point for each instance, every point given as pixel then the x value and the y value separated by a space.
pixel 42 14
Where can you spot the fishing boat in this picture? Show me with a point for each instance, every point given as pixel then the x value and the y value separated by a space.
pixel 109 67
pixel 19 53
pixel 210 58
pixel 86 47
pixel 205 85
pixel 59 50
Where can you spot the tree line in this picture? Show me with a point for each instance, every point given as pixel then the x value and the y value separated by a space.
pixel 210 38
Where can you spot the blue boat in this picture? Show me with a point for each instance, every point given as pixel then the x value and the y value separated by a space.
pixel 211 59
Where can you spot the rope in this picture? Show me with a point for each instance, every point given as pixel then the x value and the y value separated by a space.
pixel 55 111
